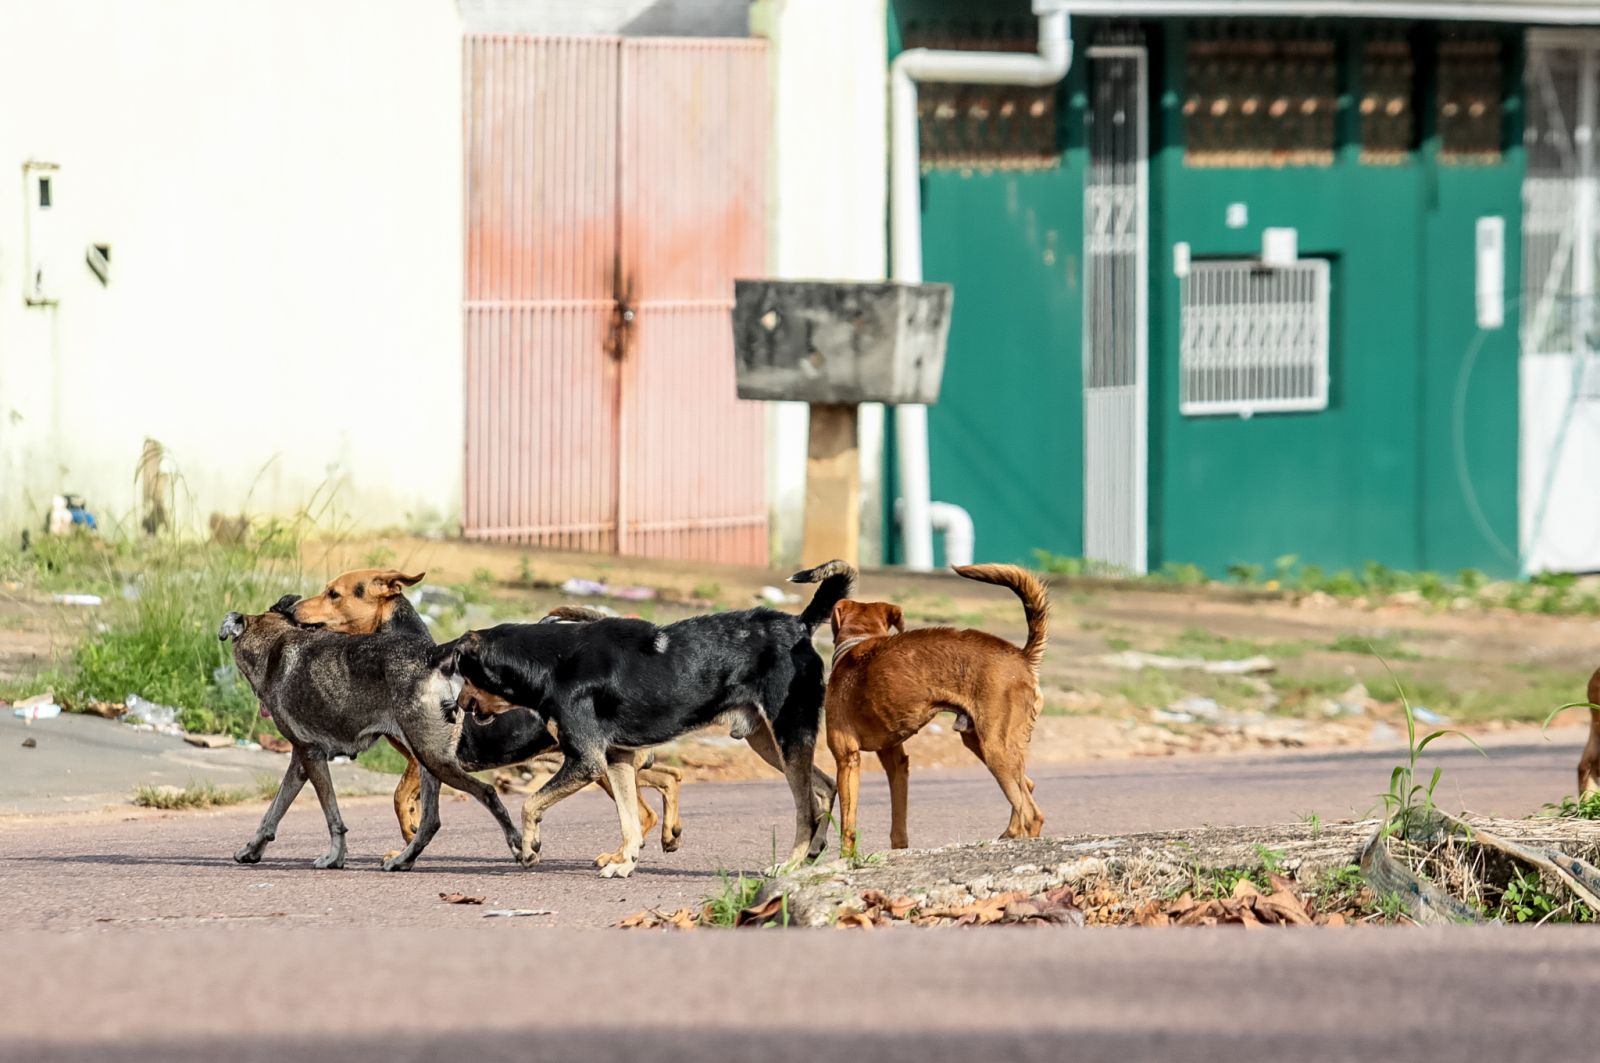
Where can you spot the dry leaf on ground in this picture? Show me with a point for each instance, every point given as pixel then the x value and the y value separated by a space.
pixel 654 918
pixel 760 914
pixel 459 898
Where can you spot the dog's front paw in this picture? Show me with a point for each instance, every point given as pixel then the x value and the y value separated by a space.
pixel 326 861
pixel 670 843
pixel 395 862
pixel 619 868
pixel 529 855
pixel 250 854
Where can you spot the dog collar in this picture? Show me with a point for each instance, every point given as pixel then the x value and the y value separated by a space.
pixel 848 644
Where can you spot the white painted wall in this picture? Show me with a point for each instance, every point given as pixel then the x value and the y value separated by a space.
pixel 280 184
pixel 826 207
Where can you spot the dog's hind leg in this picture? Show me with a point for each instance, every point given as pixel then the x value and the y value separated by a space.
pixel 322 782
pixel 897 766
pixel 822 787
pixel 427 826
pixel 666 781
pixel 408 794
pixel 294 778
pixel 620 772
pixel 810 825
pixel 575 773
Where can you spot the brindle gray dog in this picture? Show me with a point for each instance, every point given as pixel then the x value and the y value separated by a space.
pixel 335 695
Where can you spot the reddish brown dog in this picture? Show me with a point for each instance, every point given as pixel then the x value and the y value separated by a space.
pixel 889 683
pixel 362 601
pixel 1589 763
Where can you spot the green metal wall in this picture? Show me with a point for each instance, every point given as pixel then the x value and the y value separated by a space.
pixel 1412 465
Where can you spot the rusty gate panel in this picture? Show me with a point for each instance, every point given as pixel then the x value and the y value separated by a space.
pixel 541 201
pixel 615 189
pixel 693 202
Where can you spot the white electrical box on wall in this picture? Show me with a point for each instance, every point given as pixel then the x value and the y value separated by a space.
pixel 1280 248
pixel 1491 273
pixel 41 191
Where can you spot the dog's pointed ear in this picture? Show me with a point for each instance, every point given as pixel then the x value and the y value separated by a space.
pixel 392 581
pixel 897 619
pixel 838 614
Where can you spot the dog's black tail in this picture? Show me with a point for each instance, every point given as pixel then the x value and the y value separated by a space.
pixel 838 579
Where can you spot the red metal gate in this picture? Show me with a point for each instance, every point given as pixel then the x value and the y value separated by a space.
pixel 614 190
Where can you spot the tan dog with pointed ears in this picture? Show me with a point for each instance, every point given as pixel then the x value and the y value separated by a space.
pixel 889 683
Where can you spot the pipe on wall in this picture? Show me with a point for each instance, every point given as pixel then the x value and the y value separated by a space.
pixel 1047 67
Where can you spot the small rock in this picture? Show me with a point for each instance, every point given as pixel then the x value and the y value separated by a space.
pixel 29 743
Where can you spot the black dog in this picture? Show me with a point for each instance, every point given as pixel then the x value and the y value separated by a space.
pixel 613 687
pixel 335 695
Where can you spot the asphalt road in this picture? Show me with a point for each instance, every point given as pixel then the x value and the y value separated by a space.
pixel 135 937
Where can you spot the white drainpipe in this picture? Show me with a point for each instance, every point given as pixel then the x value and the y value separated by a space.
pixel 952 522
pixel 905 215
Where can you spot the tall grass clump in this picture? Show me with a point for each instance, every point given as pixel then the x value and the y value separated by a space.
pixel 156 633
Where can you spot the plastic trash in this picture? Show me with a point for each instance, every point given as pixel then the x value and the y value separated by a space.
pixel 431 595
pixel 77 599
pixel 1426 715
pixel 39 707
pixel 584 588
pixel 159 717
pixel 1200 708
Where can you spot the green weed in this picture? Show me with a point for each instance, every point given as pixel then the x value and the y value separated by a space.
pixel 1386 646
pixel 1408 803
pixel 382 757
pixel 1584 807
pixel 1525 900
pixel 733 896
pixel 195 795
pixel 379 556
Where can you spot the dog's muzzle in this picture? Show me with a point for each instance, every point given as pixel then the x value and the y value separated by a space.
pixel 232 627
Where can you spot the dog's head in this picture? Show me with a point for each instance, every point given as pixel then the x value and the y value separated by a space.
pixel 356 602
pixel 866 620
pixel 483 705
pixel 257 639
pixel 479 685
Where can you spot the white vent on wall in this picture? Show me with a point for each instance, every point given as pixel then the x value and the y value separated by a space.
pixel 1254 340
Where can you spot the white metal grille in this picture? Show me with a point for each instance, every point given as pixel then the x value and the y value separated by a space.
pixel 1115 311
pixel 1254 339
pixel 1559 374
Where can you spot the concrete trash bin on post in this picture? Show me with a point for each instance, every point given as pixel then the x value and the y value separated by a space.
pixel 835 345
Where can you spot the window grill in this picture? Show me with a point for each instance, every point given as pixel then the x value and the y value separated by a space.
pixel 1388 126
pixel 989 127
pixel 1259 99
pixel 1471 83
pixel 1253 339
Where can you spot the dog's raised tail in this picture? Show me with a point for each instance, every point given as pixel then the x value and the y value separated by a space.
pixel 838 579
pixel 1035 602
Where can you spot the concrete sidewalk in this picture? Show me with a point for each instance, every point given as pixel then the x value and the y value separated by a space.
pixel 83 763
